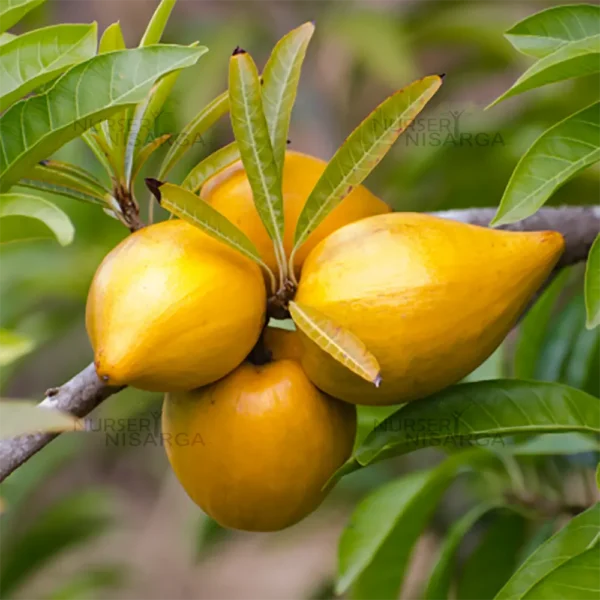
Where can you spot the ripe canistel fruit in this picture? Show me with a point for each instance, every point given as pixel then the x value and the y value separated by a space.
pixel 255 449
pixel 430 298
pixel 171 308
pixel 229 192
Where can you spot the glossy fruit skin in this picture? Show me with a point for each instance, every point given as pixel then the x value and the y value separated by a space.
pixel 430 298
pixel 171 308
pixel 229 192
pixel 255 449
pixel 283 344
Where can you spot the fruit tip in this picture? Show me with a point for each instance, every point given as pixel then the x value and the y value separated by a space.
pixel 154 186
pixel 237 50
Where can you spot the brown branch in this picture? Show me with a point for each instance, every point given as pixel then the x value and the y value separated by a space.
pixel 85 391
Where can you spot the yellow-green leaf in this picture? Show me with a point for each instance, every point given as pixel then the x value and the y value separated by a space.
pixel 12 11
pixel 280 83
pixel 338 342
pixel 211 165
pixel 362 151
pixel 157 24
pixel 112 39
pixel 13 346
pixel 21 417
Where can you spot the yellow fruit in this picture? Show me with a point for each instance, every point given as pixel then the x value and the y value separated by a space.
pixel 229 192
pixel 430 298
pixel 255 449
pixel 171 308
pixel 283 344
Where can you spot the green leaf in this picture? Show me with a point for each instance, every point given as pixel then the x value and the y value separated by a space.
pixel 556 444
pixel 545 32
pixel 462 414
pixel 556 156
pixel 13 346
pixel 6 37
pixel 12 11
pixel 192 209
pixel 85 95
pixel 375 546
pixel 86 585
pixel 533 328
pixel 338 342
pixel 598 476
pixel 573 59
pixel 555 570
pixel 20 417
pixel 494 558
pixel 362 151
pixel 210 166
pixel 68 523
pixel 157 24
pixel 193 131
pixel 144 154
pixel 592 286
pixel 280 83
pixel 33 207
pixel 252 136
pixel 39 56
pixel 440 578
pixel 112 39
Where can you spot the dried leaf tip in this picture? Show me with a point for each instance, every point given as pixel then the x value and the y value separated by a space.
pixel 442 75
pixel 237 51
pixel 154 186
pixel 44 162
pixel 377 380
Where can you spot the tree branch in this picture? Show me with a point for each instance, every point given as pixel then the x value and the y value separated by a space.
pixel 85 391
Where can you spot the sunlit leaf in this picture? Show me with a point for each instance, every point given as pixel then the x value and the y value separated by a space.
pixel 556 156
pixel 13 346
pixel 375 546
pixel 146 152
pixel 190 208
pixel 157 24
pixel 533 329
pixel 338 342
pixel 6 37
pixel 193 131
pixel 88 93
pixel 33 207
pixel 561 568
pixel 252 137
pixel 440 578
pixel 210 166
pixel 112 39
pixel 546 31
pixel 39 56
pixel 12 11
pixel 462 414
pixel 362 151
pixel 280 83
pixel 20 417
pixel 572 59
pixel 592 286
pixel 494 558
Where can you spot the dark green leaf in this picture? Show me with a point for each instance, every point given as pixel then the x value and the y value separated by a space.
pixel 33 207
pixel 375 546
pixel 280 83
pixel 252 137
pixel 362 151
pixel 85 95
pixel 12 11
pixel 555 157
pixel 210 166
pixel 462 414
pixel 592 286
pixel 39 56
pixel 545 32
pixel 193 131
pixel 552 571
pixel 494 558
pixel 440 577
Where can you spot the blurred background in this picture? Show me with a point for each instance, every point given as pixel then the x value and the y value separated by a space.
pixel 100 515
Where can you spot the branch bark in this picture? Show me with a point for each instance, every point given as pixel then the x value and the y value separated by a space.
pixel 85 391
